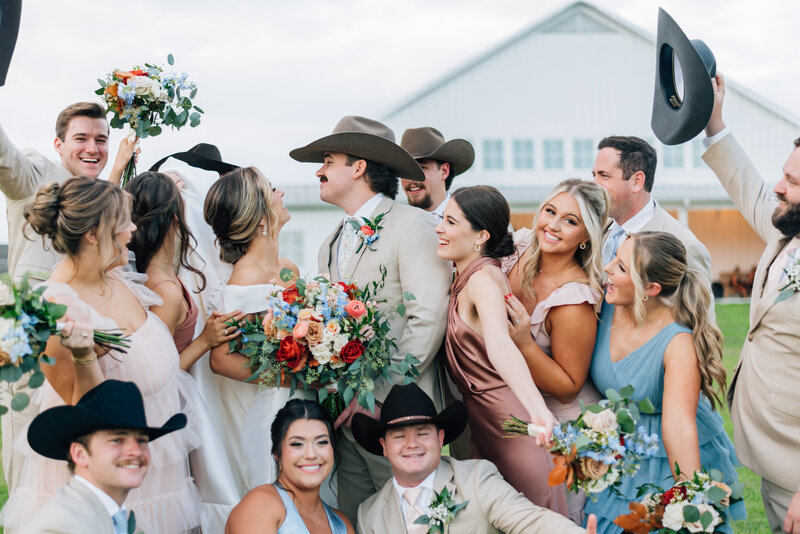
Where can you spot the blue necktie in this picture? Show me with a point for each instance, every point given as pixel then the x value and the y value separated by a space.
pixel 612 243
pixel 120 522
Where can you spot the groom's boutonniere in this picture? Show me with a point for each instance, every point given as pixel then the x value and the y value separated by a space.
pixel 443 511
pixel 793 283
pixel 367 232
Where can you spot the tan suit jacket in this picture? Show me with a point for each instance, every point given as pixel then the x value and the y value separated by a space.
pixel 73 510
pixel 764 395
pixel 697 254
pixel 494 506
pixel 22 172
pixel 407 248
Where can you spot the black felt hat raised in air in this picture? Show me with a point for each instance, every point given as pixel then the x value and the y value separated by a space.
pixel 9 27
pixel 681 63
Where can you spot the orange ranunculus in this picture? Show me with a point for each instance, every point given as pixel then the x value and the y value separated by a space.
pixel 138 72
pixel 123 75
pixel 290 294
pixel 366 230
pixel 355 308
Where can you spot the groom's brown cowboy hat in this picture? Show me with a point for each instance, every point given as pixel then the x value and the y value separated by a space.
pixel 363 138
pixel 202 156
pixel 429 143
pixel 677 119
pixel 407 405
pixel 112 404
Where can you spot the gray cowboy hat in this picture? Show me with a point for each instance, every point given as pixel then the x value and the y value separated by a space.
pixel 429 143
pixel 678 119
pixel 363 138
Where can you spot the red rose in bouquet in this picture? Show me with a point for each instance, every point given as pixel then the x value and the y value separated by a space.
pixel 352 351
pixel 350 289
pixel 672 493
pixel 291 352
pixel 290 294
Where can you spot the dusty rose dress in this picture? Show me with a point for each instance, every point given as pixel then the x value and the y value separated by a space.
pixel 184 333
pixel 568 294
pixel 490 401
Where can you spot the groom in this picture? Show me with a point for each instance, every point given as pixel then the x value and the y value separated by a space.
pixel 361 163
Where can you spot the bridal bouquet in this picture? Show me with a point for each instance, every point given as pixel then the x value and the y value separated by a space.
pixel 604 444
pixel 146 98
pixel 694 505
pixel 323 333
pixel 27 320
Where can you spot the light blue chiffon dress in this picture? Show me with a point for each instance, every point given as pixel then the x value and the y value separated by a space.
pixel 644 370
pixel 293 524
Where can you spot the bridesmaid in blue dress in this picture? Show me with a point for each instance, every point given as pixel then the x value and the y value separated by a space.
pixel 302 445
pixel 655 334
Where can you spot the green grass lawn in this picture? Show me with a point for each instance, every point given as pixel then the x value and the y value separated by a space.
pixel 732 320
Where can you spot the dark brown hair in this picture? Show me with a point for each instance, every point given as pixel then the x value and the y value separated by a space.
pixel 635 154
pixel 78 109
pixel 486 209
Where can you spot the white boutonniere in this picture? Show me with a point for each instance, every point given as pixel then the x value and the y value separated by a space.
pixel 793 280
pixel 367 232
pixel 443 510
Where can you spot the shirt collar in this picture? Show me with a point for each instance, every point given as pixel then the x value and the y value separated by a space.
pixel 637 222
pixel 427 484
pixel 439 211
pixel 109 504
pixel 366 209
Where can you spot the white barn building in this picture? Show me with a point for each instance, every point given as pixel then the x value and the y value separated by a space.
pixel 535 108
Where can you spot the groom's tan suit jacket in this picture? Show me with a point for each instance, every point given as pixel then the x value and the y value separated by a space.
pixel 765 393
pixel 494 506
pixel 73 510
pixel 406 247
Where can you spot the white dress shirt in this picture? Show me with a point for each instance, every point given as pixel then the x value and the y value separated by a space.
pixel 439 211
pixel 425 496
pixel 631 226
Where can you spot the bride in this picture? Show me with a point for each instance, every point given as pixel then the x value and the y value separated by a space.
pixel 246 214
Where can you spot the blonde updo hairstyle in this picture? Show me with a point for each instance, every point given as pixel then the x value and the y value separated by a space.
pixel 661 258
pixel 234 208
pixel 65 213
pixel 593 204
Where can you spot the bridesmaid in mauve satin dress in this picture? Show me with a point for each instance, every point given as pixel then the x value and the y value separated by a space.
pixel 481 358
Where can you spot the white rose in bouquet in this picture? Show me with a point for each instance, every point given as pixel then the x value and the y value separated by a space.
pixel 673 516
pixel 141 84
pixel 322 353
pixel 696 526
pixel 602 422
pixel 6 295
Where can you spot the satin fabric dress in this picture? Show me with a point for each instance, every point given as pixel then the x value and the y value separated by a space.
pixel 490 401
pixel 293 523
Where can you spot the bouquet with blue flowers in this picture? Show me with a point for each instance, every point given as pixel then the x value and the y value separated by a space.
pixel 604 444
pixel 27 320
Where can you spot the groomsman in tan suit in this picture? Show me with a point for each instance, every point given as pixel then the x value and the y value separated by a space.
pixel 82 145
pixel 764 395
pixel 411 434
pixel 360 165
pixel 441 161
pixel 104 439
pixel 626 167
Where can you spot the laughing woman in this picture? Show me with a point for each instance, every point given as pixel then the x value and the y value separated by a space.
pixel 555 277
pixel 482 360
pixel 655 334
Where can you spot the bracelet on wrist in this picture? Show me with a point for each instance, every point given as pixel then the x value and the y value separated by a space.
pixel 85 361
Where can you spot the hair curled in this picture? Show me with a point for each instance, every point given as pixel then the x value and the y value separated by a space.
pixel 661 258
pixel 157 205
pixel 64 213
pixel 235 206
pixel 593 205
pixel 486 209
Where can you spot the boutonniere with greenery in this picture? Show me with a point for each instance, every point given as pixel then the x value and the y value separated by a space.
pixel 793 283
pixel 443 510
pixel 367 232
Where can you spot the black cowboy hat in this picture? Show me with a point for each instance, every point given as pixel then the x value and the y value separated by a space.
pixel 110 405
pixel 9 27
pixel 407 405
pixel 363 138
pixel 678 119
pixel 203 156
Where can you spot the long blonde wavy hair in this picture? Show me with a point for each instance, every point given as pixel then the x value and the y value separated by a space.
pixel 661 257
pixel 593 204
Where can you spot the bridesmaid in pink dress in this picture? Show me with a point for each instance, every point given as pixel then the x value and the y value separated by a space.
pixel 555 276
pixel 482 360
pixel 88 221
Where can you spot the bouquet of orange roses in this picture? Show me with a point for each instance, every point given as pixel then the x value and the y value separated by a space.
pixel 322 333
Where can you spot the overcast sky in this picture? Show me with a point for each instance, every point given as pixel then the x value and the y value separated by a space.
pixel 274 75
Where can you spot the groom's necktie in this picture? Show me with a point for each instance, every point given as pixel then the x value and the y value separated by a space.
pixel 612 243
pixel 413 512
pixel 347 246
pixel 120 522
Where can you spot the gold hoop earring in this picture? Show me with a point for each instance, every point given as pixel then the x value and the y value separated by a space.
pixel 644 297
pixel 582 246
pixel 476 248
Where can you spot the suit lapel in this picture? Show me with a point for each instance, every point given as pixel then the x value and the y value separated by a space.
pixel 390 508
pixel 384 206
pixel 766 299
pixel 326 254
pixel 444 479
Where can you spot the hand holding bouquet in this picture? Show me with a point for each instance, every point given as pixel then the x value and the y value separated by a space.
pixel 694 505
pixel 594 451
pixel 328 334
pixel 27 320
pixel 146 98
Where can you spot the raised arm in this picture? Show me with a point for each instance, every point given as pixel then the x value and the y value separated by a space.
pixel 20 174
pixel 679 405
pixel 485 294
pixel 572 334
